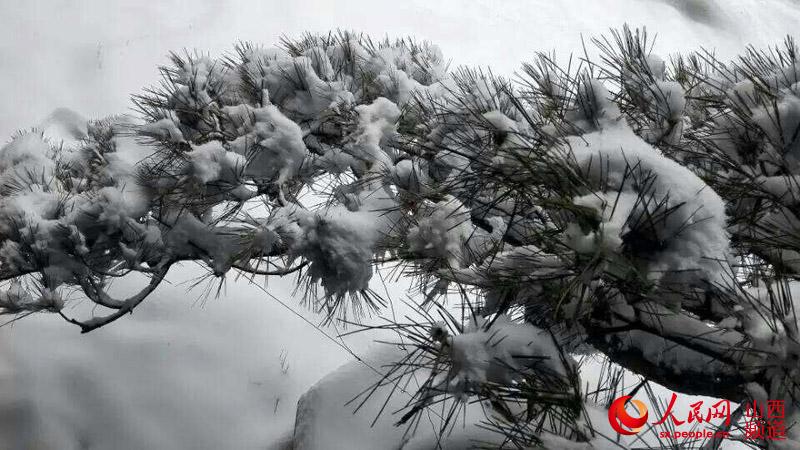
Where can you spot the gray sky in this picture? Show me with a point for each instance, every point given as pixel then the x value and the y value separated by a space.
pixel 90 55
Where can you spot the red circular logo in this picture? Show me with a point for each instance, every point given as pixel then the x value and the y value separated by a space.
pixel 618 417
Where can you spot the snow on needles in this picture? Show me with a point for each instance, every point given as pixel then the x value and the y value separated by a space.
pixel 640 182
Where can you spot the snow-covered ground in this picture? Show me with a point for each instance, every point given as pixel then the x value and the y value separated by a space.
pixel 191 373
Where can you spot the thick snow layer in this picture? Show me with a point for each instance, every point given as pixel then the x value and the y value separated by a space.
pixel 329 398
pixel 328 417
pixel 695 234
pixel 184 372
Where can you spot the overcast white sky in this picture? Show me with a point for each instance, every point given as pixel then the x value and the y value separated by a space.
pixel 178 375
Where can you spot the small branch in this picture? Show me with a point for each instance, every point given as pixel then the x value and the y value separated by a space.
pixel 98 295
pixel 125 306
pixel 279 273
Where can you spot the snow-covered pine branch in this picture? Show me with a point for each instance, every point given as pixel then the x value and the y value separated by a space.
pixel 638 207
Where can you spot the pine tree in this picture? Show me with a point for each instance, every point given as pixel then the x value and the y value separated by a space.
pixel 640 209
